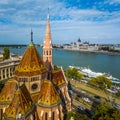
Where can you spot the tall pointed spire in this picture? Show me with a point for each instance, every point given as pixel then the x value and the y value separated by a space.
pixel 47 47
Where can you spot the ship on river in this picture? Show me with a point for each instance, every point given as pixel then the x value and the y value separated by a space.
pixel 86 71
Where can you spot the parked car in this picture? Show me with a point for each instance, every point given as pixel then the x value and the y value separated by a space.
pixel 116 106
pixel 80 108
pixel 86 99
pixel 70 91
pixel 78 96
pixel 89 112
pixel 96 96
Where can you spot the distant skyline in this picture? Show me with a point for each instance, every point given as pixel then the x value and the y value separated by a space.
pixel 95 21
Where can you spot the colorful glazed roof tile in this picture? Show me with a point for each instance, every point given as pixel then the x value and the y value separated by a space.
pixel 20 105
pixel 31 63
pixel 58 77
pixel 7 92
pixel 48 94
pixel 35 96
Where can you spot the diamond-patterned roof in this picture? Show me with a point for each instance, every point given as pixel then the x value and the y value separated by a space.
pixel 58 77
pixel 21 103
pixel 48 94
pixel 7 92
pixel 31 63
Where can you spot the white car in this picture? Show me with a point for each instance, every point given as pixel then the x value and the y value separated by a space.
pixel 86 99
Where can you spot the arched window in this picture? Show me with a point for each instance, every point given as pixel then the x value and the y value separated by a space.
pixel 46 52
pixel 46 116
pixel 53 116
pixel 50 52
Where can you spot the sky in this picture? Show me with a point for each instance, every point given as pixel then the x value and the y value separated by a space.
pixel 95 21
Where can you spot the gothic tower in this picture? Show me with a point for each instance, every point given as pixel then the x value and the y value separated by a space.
pixel 31 70
pixel 47 46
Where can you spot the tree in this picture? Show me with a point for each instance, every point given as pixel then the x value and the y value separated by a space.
pixel 68 73
pixel 76 116
pixel 73 73
pixel 101 82
pixel 106 112
pixel 6 54
pixel 79 75
pixel 118 93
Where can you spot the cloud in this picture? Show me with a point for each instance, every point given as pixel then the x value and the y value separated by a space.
pixel 95 24
pixel 114 1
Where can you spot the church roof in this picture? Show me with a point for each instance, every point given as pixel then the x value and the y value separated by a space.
pixel 58 77
pixel 31 63
pixel 21 104
pixel 48 95
pixel 7 92
pixel 35 96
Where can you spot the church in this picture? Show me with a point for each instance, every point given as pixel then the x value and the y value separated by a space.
pixel 37 91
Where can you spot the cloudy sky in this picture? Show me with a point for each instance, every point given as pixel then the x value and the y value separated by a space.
pixel 96 21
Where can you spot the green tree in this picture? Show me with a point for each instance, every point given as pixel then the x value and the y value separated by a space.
pixel 118 93
pixel 79 75
pixel 106 112
pixel 68 73
pixel 73 73
pixel 6 53
pixel 76 116
pixel 102 82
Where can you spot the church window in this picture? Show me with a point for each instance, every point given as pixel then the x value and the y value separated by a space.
pixel 3 76
pixel 34 86
pixel 53 116
pixel 50 52
pixel 3 71
pixel 47 52
pixel 46 116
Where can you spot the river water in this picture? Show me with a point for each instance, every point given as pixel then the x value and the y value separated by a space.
pixel 97 62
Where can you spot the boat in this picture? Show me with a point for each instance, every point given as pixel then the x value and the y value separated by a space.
pixel 88 72
pixel 91 74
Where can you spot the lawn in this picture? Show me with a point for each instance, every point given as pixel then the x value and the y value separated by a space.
pixel 94 91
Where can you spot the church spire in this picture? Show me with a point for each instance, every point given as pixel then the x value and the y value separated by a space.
pixel 47 46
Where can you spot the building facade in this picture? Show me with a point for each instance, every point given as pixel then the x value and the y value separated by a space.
pixel 6 69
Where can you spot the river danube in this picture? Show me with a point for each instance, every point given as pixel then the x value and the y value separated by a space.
pixel 96 62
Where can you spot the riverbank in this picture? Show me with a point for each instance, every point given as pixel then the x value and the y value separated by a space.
pixel 96 52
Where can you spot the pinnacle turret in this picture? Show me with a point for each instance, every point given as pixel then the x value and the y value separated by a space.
pixel 31 41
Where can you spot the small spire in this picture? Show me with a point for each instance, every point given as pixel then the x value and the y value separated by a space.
pixel 31 36
pixel 31 41
pixel 48 15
